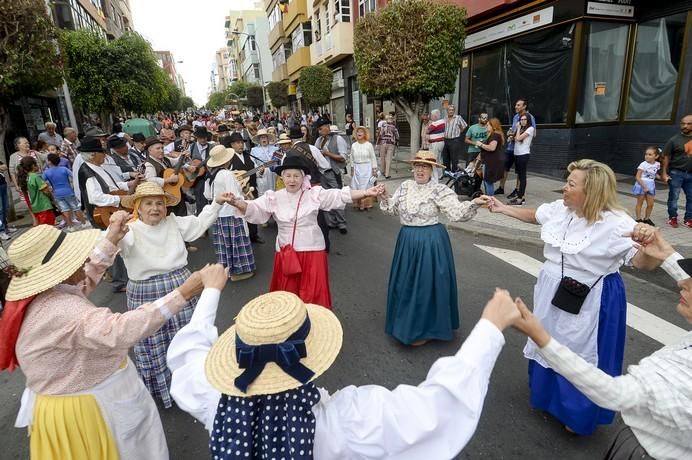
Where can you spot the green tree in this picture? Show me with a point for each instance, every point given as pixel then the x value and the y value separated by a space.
pixel 409 52
pixel 255 96
pixel 316 85
pixel 238 88
pixel 186 102
pixel 109 77
pixel 216 100
pixel 278 93
pixel 173 101
pixel 29 56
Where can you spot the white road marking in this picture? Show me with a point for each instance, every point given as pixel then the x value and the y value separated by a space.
pixel 641 320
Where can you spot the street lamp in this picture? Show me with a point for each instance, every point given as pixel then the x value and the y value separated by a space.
pixel 259 60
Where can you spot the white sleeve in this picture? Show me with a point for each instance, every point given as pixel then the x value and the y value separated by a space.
pixel 436 419
pixel 614 393
pixel 186 356
pixel 96 195
pixel 322 162
pixel 193 227
pixel 548 210
pixel 150 175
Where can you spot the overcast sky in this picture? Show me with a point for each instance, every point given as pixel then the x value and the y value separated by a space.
pixel 192 31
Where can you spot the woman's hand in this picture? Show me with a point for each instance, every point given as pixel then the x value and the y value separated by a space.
pixel 117 226
pixel 657 247
pixel 377 190
pixel 495 205
pixel 642 234
pixel 501 310
pixel 530 325
pixel 226 197
pixel 482 201
pixel 192 286
pixel 214 276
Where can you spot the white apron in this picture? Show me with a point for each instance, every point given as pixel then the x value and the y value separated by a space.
pixel 362 174
pixel 127 408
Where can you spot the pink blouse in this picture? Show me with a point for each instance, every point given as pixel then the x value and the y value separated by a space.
pixel 282 206
pixel 66 344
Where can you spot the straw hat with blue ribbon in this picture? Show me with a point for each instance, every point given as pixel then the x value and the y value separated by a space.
pixel 278 343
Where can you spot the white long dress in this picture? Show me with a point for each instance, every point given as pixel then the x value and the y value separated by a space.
pixel 362 160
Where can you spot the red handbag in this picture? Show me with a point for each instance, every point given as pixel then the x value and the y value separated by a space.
pixel 290 264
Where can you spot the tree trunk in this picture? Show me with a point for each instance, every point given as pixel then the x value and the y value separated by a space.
pixel 4 157
pixel 412 109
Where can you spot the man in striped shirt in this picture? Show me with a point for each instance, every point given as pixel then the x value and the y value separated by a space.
pixel 436 137
pixel 655 396
pixel 453 150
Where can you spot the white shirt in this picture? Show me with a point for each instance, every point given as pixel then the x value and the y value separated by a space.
pixel 95 192
pixel 362 153
pixel 523 147
pixel 150 250
pixel 433 420
pixel 322 163
pixel 654 397
pixel 150 173
pixel 224 182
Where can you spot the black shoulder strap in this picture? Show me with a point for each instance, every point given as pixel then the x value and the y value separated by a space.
pixel 304 149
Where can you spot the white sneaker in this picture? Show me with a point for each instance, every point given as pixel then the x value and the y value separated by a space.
pixel 4 236
pixel 11 229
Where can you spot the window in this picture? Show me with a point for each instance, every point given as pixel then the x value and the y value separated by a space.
pixel 275 17
pixel 318 26
pixel 365 7
pixel 278 58
pixel 535 66
pixel 656 68
pixel 257 71
pixel 342 11
pixel 302 36
pixel 603 69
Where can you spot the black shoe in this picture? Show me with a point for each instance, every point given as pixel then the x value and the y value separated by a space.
pixel 517 201
pixel 500 191
pixel 343 231
pixel 639 220
pixel 514 194
pixel 258 240
pixel 649 222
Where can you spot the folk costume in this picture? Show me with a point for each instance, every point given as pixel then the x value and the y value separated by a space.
pixel 83 398
pixel 156 260
pixel 242 161
pixel 263 154
pixel 362 161
pixel 229 233
pixel 422 299
pixel 200 151
pixel 270 407
pixel 296 217
pixel 331 177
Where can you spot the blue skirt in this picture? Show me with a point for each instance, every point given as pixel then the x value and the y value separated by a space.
pixel 554 394
pixel 422 297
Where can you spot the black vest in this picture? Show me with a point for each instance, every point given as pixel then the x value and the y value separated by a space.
pixel 123 164
pixel 85 173
pixel 158 167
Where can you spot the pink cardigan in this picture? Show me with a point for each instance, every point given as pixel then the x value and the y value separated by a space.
pixel 282 206
pixel 67 344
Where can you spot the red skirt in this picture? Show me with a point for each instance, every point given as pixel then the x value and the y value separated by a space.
pixel 45 217
pixel 311 285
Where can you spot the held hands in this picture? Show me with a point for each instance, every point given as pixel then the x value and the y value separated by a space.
pixel 214 276
pixel 530 325
pixel 482 201
pixel 654 246
pixel 226 197
pixel 501 310
pixel 117 227
pixel 377 190
pixel 495 205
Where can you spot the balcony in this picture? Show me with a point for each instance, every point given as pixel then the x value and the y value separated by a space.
pixel 297 13
pixel 280 73
pixel 334 46
pixel 276 34
pixel 299 59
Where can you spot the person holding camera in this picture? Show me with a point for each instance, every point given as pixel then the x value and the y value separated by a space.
pixel 580 296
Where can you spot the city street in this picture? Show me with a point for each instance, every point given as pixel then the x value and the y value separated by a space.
pixel 359 267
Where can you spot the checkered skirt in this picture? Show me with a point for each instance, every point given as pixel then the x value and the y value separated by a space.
pixel 232 245
pixel 150 353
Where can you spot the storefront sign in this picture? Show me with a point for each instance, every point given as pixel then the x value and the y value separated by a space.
pixel 464 63
pixel 507 29
pixel 620 8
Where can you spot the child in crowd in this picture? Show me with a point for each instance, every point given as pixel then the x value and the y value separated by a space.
pixel 645 185
pixel 59 176
pixel 38 191
pixel 55 151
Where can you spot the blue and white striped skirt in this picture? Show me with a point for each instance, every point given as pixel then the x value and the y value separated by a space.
pixel 150 353
pixel 232 245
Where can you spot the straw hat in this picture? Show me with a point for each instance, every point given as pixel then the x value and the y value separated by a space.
pixel 284 139
pixel 270 319
pixel 148 189
pixel 49 257
pixel 219 156
pixel 263 132
pixel 425 157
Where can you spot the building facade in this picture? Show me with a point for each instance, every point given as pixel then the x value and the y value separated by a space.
pixel 167 63
pixel 604 79
pixel 222 72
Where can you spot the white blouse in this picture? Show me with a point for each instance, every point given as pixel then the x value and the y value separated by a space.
pixel 362 153
pixel 435 419
pixel 224 182
pixel 150 250
pixel 419 205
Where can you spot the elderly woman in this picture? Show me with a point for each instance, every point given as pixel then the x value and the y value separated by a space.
pixel 579 296
pixel 422 297
pixel 155 256
pixel 300 262
pixel 363 166
pixel 23 150
pixel 263 152
pixel 83 398
pixel 230 233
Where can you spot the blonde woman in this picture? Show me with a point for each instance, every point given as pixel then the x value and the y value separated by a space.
pixel 363 166
pixel 586 241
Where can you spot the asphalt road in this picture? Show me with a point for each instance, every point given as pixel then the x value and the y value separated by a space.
pixel 359 267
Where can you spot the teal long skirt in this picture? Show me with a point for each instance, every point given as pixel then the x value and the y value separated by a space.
pixel 422 296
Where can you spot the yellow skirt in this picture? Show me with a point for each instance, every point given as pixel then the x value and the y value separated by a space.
pixel 70 428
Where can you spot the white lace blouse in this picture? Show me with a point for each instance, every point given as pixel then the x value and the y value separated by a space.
pixel 418 205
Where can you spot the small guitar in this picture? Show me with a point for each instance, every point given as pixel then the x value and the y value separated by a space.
pixel 102 214
pixel 199 172
pixel 243 177
pixel 174 189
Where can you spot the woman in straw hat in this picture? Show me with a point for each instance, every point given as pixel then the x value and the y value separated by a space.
pixel 263 152
pixel 284 145
pixel 253 388
pixel 83 398
pixel 156 259
pixel 363 166
pixel 303 269
pixel 230 232
pixel 422 297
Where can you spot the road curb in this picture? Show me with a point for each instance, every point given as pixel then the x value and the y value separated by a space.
pixel 482 230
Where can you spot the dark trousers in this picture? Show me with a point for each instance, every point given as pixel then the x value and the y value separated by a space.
pixel 253 231
pixel 453 153
pixel 119 272
pixel 322 223
pixel 521 163
pixel 4 206
pixel 200 201
pixel 625 446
